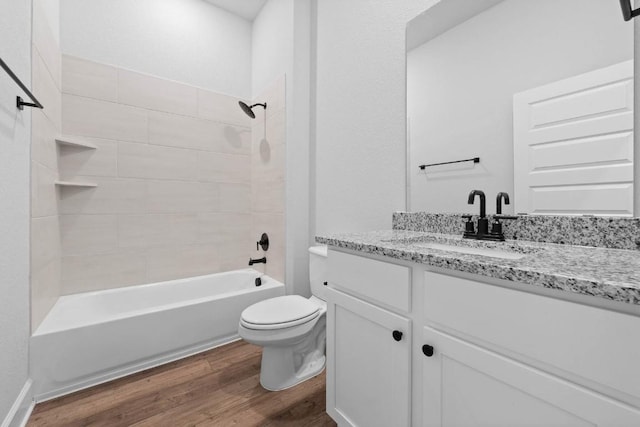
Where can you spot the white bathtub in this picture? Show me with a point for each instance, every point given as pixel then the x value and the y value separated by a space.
pixel 93 337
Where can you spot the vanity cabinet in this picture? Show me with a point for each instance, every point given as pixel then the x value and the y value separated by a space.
pixel 502 357
pixel 472 352
pixel 368 346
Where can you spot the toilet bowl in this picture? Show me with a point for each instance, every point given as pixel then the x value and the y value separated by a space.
pixel 291 329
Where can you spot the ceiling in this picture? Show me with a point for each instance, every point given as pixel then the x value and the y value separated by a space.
pixel 247 9
pixel 441 18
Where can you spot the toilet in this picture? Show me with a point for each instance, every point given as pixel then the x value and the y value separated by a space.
pixel 292 330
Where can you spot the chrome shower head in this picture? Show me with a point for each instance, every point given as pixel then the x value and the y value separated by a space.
pixel 248 110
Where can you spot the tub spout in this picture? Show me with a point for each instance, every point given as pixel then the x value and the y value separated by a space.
pixel 262 260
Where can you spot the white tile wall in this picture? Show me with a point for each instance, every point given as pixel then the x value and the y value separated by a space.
pixel 226 230
pixel 221 108
pixel 156 162
pixel 43 149
pixel 268 157
pixel 231 139
pixel 89 79
pixel 45 86
pixel 111 196
pixel 180 131
pixel 101 119
pixel 46 289
pixel 45 42
pixel 45 125
pixel 76 161
pixel 158 94
pixel 43 192
pixel 174 262
pixel 235 197
pixel 84 273
pixel 89 234
pixel 173 169
pixel 220 167
pixel 45 241
pixel 145 231
pixel 182 197
pixel 273 225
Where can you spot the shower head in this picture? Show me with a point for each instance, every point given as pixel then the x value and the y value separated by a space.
pixel 248 110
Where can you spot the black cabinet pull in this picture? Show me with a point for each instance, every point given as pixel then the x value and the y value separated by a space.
pixel 325 283
pixel 427 350
pixel 397 335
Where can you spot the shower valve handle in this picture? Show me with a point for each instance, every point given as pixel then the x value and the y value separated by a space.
pixel 263 242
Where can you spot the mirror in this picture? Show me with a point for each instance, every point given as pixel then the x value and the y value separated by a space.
pixel 466 59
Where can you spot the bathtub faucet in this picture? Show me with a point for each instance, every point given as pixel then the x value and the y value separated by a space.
pixel 262 260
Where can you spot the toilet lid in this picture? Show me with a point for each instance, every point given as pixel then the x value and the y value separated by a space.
pixel 280 310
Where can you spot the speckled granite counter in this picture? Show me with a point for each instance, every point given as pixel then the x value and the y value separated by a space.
pixel 613 274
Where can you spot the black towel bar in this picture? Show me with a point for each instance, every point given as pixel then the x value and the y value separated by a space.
pixel 19 102
pixel 474 160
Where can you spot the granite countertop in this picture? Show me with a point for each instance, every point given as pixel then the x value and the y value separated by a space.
pixel 612 274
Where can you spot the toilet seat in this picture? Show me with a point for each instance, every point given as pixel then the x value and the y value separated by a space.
pixel 280 312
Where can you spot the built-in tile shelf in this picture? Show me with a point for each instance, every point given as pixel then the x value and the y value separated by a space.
pixel 75 184
pixel 74 141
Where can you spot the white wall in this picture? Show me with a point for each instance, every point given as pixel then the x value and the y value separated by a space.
pixel 360 129
pixel 190 41
pixel 15 50
pixel 461 86
pixel 272 44
pixel 281 46
pixel 51 10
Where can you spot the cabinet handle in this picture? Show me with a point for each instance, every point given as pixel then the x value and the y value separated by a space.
pixel 397 335
pixel 325 283
pixel 427 350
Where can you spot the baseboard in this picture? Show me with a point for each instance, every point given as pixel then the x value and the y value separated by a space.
pixel 21 410
pixel 132 369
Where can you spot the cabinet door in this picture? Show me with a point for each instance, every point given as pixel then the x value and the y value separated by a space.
pixel 368 363
pixel 466 385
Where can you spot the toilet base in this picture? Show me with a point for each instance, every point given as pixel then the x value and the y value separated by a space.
pixel 286 366
pixel 278 374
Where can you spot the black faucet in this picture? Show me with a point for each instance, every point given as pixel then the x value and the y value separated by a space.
pixel 501 195
pixel 262 260
pixel 483 222
pixel 496 226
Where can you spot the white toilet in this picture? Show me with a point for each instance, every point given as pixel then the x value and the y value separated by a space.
pixel 292 330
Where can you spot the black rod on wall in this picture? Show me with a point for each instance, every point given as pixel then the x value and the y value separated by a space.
pixel 627 11
pixel 474 160
pixel 19 102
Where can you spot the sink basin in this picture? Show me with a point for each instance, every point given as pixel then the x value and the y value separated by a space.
pixel 490 252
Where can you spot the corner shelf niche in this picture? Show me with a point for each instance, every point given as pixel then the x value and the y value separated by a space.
pixel 74 142
pixel 75 184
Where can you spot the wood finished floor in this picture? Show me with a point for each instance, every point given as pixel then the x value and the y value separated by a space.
pixel 217 388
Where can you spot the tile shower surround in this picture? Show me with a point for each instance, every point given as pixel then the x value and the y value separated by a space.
pixel 173 169
pixel 45 245
pixel 607 232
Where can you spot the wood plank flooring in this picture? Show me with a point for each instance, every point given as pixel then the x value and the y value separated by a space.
pixel 217 388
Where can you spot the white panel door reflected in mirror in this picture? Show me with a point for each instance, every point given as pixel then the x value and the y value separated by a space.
pixel 573 145
pixel 465 61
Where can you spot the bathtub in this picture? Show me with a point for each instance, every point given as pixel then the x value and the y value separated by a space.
pixel 89 338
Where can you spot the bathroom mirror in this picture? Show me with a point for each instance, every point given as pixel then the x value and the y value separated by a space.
pixel 466 59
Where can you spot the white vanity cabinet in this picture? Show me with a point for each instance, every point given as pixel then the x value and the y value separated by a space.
pixel 501 357
pixel 472 351
pixel 368 346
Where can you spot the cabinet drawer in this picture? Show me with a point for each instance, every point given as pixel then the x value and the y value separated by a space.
pixel 594 346
pixel 380 282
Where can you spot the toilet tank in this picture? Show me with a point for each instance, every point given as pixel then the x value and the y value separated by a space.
pixel 318 270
